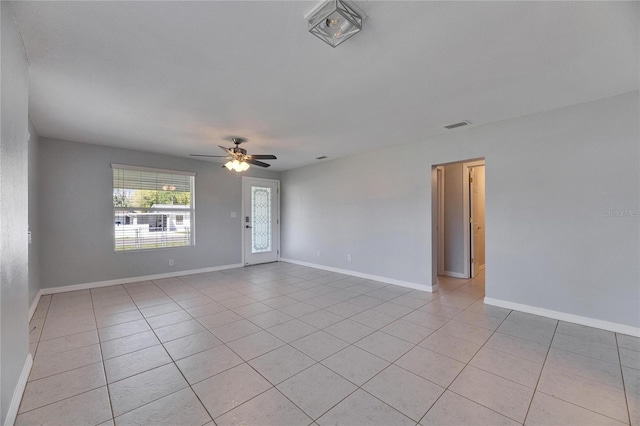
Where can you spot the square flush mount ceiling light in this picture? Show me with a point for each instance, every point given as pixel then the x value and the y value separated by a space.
pixel 333 22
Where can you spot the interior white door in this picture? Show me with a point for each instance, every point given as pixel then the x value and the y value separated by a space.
pixel 476 201
pixel 261 220
pixel 440 212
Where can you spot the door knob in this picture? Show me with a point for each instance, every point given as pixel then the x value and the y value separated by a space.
pixel 247 226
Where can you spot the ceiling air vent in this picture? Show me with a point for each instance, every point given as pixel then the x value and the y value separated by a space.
pixel 456 125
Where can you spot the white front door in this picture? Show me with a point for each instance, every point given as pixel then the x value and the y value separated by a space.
pixel 261 220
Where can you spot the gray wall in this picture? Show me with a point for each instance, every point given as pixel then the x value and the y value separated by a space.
pixel 76 215
pixel 453 219
pixel 14 332
pixel 34 221
pixel 361 206
pixel 550 179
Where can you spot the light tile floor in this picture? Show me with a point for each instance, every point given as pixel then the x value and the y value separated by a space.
pixel 281 344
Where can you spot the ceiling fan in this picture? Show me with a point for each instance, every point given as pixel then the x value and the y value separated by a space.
pixel 238 158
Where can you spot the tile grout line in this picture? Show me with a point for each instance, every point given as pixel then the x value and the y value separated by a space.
pixel 542 365
pixel 69 397
pixel 382 302
pixel 31 329
pixel 250 366
pixel 315 363
pixel 243 362
pixel 312 365
pixel 246 278
pixel 272 385
pixel 587 378
pixel 535 389
pixel 581 407
pixel 28 381
pixel 102 359
pixel 104 368
pixel 72 396
pixel 461 370
pixel 172 362
pixel 624 383
pixel 352 344
pixel 360 387
pixel 44 321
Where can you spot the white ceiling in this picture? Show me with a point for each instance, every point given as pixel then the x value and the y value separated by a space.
pixel 178 77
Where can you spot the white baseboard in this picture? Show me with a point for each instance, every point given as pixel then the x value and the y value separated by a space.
pixel 74 287
pixel 455 274
pixel 34 304
pixel 12 413
pixel 563 316
pixel 408 284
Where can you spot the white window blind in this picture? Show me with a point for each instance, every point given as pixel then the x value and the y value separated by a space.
pixel 152 208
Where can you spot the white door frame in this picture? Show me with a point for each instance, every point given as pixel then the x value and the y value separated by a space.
pixel 467 213
pixel 245 209
pixel 440 228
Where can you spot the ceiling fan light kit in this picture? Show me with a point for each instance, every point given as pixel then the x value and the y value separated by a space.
pixel 237 158
pixel 237 166
pixel 333 22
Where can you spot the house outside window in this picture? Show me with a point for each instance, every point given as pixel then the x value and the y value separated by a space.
pixel 152 208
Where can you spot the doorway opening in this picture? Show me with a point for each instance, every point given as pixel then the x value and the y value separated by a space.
pixel 459 222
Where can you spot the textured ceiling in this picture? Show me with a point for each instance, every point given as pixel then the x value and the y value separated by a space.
pixel 179 77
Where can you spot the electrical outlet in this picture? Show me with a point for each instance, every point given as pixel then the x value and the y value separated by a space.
pixel 170 262
pixel 318 253
pixel 348 258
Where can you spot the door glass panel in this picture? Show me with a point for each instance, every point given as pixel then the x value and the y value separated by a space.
pixel 260 219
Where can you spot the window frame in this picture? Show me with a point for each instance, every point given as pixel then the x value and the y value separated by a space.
pixel 191 211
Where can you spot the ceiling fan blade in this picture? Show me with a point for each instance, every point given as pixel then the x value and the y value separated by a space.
pixel 257 163
pixel 203 155
pixel 263 157
pixel 226 149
